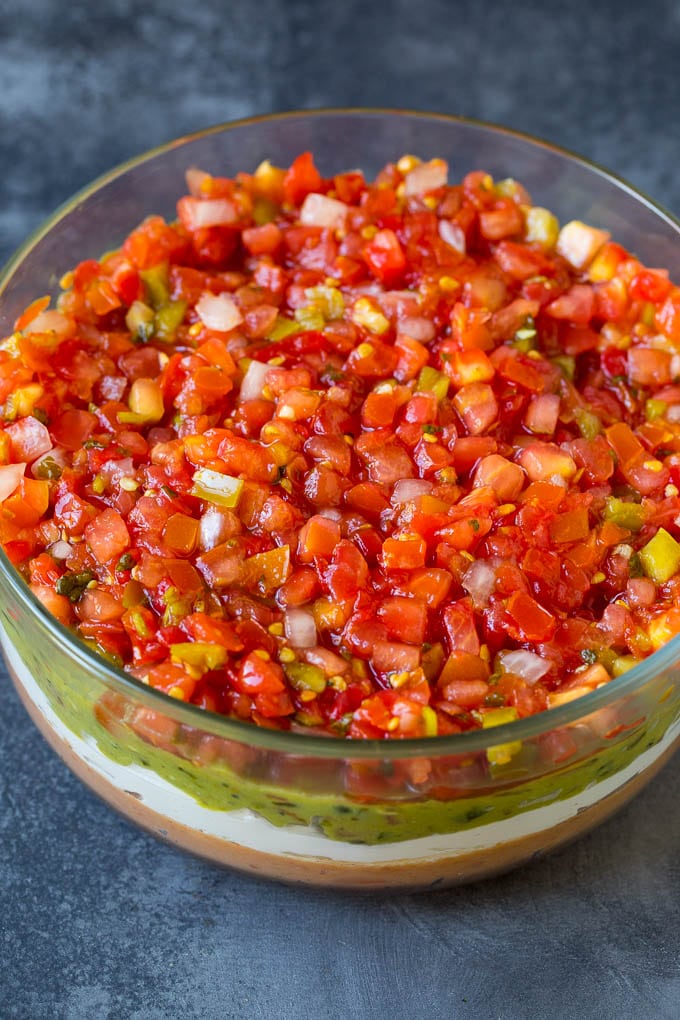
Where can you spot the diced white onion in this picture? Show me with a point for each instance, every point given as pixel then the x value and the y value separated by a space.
pixel 558 480
pixel 578 243
pixel 417 327
pixel 50 322
pixel 321 211
pixel 216 527
pixel 300 628
pixel 213 212
pixel 479 580
pixel 195 178
pixel 331 513
pixel 218 311
pixel 426 177
pixel 10 476
pixel 60 550
pixel 673 414
pixel 253 380
pixel 453 235
pixel 527 665
pixel 408 489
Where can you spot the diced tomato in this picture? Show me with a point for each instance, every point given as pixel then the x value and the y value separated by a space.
pixel 667 318
pixel 505 220
pixel 477 405
pixel 28 439
pixel 347 571
pixel 504 477
pixel 532 621
pixel 262 240
pixel 576 305
pixel 352 457
pixel 651 285
pixel 385 258
pixel 301 179
pixel 28 503
pixel 649 367
pixel 319 537
pixel 461 630
pixel 390 656
pixel 431 584
pixel 407 552
pixel 405 618
pixel 107 536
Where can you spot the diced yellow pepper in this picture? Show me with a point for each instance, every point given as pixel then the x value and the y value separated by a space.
pixel 566 364
pixel 660 558
pixel 217 488
pixel 21 402
pixel 329 300
pixel 655 408
pixel 430 721
pixel 282 328
pixel 268 178
pixel 631 516
pixel 661 629
pixel 199 654
pixel 305 677
pixel 622 663
pixel 139 319
pixel 146 400
pixel 156 284
pixel 501 754
pixel 264 211
pixel 371 318
pixel 589 424
pixel 506 188
pixel 432 380
pixel 310 317
pixel 168 317
pixel 542 226
pixel 648 313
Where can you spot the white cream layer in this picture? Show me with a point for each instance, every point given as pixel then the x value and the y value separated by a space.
pixel 250 830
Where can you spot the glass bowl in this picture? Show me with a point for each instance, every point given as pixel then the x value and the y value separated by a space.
pixel 414 814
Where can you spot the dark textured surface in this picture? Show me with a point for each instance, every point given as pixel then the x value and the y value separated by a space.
pixel 96 919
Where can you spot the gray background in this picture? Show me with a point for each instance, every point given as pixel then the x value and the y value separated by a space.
pixel 96 919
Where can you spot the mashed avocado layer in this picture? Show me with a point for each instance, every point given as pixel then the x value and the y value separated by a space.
pixel 219 787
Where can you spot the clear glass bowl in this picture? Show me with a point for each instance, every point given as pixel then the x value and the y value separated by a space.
pixel 415 813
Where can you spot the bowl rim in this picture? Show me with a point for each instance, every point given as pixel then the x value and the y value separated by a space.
pixel 314 745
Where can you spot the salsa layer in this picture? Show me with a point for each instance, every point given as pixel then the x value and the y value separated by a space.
pixel 379 460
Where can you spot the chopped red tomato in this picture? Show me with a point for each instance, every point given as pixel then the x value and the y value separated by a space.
pixel 375 459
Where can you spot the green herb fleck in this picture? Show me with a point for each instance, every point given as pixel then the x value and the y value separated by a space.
pixel 126 562
pixel 73 585
pixel 635 567
pixel 48 468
